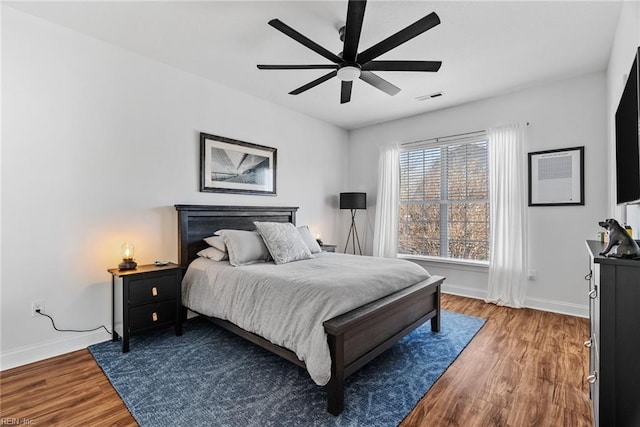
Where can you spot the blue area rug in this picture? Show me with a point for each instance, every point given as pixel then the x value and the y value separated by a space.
pixel 210 377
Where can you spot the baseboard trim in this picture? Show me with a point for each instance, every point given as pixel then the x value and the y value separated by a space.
pixel 558 307
pixel 35 353
pixel 530 302
pixel 462 291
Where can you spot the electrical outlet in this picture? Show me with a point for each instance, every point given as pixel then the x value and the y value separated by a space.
pixel 37 305
pixel 532 274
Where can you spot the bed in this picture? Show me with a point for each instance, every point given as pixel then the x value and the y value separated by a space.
pixel 355 337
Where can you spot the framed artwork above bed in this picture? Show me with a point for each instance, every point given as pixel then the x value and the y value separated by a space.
pixel 231 166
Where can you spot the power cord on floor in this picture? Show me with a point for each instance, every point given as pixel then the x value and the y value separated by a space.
pixel 70 330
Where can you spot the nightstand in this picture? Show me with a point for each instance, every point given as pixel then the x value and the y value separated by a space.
pixel 144 299
pixel 328 248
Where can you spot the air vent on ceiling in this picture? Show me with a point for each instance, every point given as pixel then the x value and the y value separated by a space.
pixel 429 96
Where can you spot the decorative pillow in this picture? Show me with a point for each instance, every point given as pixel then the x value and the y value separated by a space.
pixel 217 242
pixel 244 247
pixel 308 239
pixel 284 241
pixel 213 254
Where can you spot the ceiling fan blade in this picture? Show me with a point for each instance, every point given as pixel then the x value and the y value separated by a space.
pixel 314 83
pixel 345 92
pixel 284 28
pixel 353 28
pixel 379 83
pixel 402 66
pixel 297 67
pixel 402 36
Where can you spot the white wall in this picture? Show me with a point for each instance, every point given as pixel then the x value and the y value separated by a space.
pixel 625 46
pixel 98 144
pixel 564 114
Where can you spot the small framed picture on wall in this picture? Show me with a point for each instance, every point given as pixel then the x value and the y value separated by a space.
pixel 556 177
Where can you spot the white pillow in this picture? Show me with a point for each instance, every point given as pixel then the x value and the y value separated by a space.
pixel 217 242
pixel 308 239
pixel 213 254
pixel 284 241
pixel 244 247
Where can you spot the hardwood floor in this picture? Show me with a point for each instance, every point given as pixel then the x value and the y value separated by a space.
pixel 68 390
pixel 524 368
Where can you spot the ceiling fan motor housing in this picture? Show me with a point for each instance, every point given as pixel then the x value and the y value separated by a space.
pixel 349 71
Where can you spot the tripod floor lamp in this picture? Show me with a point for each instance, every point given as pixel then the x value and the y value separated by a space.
pixel 353 201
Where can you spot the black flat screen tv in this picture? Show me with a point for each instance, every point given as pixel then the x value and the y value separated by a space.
pixel 628 140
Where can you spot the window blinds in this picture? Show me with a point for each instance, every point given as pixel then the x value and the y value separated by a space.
pixel 444 197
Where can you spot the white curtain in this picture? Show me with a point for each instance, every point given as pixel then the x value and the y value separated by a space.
pixel 385 235
pixel 508 207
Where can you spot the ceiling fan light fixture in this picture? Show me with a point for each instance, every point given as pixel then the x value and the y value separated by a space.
pixel 348 73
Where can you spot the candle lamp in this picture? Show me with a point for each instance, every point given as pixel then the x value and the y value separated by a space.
pixel 127 250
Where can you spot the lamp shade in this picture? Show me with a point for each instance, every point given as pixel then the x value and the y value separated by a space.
pixel 127 250
pixel 353 200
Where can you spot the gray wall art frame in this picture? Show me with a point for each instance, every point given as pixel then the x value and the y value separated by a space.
pixel 556 177
pixel 231 166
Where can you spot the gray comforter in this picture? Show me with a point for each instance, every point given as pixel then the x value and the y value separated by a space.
pixel 287 303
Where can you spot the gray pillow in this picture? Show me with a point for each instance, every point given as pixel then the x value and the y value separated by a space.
pixel 308 239
pixel 244 247
pixel 217 242
pixel 214 254
pixel 284 241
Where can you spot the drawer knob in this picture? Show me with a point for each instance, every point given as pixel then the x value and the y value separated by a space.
pixel 154 316
pixel 592 378
pixel 588 343
pixel 154 291
pixel 593 293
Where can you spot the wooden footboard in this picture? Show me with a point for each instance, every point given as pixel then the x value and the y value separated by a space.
pixel 356 337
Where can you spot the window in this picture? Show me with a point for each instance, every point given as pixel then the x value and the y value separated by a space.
pixel 444 199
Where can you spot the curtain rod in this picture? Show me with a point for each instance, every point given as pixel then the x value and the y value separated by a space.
pixel 458 135
pixel 438 139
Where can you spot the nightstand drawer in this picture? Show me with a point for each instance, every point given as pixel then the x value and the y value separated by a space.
pixel 152 289
pixel 147 316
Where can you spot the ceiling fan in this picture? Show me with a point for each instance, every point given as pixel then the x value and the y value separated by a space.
pixel 350 65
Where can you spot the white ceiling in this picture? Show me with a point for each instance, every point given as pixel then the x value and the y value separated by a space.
pixel 486 48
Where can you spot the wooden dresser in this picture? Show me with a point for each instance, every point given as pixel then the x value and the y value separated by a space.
pixel 614 341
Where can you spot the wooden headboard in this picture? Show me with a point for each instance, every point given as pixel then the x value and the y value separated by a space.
pixel 195 222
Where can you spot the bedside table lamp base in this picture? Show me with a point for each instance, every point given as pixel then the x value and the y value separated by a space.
pixel 127 264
